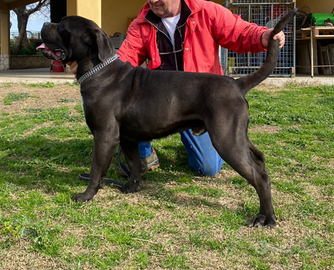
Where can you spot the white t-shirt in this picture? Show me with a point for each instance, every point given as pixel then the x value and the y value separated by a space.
pixel 170 24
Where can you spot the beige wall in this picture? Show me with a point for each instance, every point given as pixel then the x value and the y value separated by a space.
pixel 115 14
pixel 320 6
pixel 85 8
pixel 111 15
pixel 4 39
pixel 71 6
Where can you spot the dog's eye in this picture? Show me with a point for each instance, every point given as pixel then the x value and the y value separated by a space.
pixel 61 28
pixel 62 31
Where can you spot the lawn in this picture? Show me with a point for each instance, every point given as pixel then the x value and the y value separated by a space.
pixel 179 220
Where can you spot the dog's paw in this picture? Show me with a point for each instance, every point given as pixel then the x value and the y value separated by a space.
pixel 260 220
pixel 131 187
pixel 82 197
pixel 102 183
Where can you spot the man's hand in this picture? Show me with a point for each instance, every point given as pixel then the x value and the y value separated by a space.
pixel 73 66
pixel 279 36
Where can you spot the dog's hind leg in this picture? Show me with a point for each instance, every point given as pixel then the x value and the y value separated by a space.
pixel 236 149
pixel 263 188
pixel 131 154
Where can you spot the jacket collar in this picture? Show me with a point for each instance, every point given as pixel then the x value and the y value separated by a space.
pixel 155 20
pixel 193 5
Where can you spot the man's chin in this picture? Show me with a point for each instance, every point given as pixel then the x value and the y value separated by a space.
pixel 159 11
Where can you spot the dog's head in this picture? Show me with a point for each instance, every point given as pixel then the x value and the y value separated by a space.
pixel 73 39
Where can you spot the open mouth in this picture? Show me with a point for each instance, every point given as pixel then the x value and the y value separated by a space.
pixel 57 54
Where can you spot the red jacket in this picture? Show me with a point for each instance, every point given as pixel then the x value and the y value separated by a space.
pixel 208 26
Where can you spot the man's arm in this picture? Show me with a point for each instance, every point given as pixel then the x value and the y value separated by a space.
pixel 133 49
pixel 235 34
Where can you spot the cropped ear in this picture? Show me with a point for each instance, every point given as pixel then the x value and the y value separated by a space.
pixel 104 45
pixel 98 38
pixel 87 38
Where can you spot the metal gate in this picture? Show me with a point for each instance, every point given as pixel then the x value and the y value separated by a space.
pixel 263 14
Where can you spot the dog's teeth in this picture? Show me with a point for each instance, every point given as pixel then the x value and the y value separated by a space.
pixel 57 54
pixel 63 55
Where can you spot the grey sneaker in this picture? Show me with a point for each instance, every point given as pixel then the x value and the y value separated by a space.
pixel 148 163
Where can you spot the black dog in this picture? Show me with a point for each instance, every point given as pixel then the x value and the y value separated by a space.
pixel 127 105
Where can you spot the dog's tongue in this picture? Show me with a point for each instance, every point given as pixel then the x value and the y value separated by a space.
pixel 43 47
pixel 40 47
pixel 55 54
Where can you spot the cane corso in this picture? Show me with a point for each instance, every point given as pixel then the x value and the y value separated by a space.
pixel 127 105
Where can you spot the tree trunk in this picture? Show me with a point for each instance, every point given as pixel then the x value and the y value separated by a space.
pixel 22 22
pixel 23 14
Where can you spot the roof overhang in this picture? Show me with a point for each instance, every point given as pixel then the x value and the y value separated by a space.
pixel 6 5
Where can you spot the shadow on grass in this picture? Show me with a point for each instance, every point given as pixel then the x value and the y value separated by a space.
pixel 51 166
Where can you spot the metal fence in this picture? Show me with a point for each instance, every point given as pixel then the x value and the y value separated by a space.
pixel 30 34
pixel 264 14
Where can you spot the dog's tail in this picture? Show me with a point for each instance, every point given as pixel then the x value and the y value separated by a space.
pixel 248 82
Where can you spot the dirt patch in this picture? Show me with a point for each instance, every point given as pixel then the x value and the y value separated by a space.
pixel 38 97
pixel 264 129
pixel 20 257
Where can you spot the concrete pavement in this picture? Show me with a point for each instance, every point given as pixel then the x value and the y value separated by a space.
pixel 304 80
pixel 43 75
pixel 38 75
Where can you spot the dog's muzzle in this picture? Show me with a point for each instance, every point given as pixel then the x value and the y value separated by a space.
pixel 57 54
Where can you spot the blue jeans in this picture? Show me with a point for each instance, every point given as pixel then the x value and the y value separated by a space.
pixel 202 156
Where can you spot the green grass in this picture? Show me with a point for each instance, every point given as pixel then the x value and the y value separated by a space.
pixel 11 97
pixel 179 220
pixel 43 85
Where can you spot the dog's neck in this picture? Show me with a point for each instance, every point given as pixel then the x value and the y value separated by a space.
pixel 94 56
pixel 96 68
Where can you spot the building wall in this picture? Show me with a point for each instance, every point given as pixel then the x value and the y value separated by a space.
pixel 117 13
pixel 114 15
pixel 320 6
pixel 85 8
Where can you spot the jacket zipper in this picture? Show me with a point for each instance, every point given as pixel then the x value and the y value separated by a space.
pixel 178 28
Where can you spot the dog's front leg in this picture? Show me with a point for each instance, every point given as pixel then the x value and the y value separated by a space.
pixel 131 154
pixel 104 146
